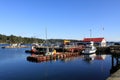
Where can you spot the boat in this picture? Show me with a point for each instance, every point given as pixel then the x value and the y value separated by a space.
pixel 89 48
pixel 15 46
pixel 43 50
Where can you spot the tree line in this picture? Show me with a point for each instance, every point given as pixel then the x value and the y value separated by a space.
pixel 18 39
pixel 26 40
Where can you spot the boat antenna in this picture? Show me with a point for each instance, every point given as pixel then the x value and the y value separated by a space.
pixel 90 35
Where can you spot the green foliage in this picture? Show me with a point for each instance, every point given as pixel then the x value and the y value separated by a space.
pixel 25 40
pixel 18 39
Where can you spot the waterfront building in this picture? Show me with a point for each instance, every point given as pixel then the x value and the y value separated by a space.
pixel 101 42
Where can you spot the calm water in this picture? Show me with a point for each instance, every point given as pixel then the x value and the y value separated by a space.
pixel 14 66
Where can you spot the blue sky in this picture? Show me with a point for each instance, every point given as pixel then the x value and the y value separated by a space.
pixel 64 19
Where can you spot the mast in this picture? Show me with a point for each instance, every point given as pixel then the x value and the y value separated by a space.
pixel 46 39
pixel 46 35
pixel 90 35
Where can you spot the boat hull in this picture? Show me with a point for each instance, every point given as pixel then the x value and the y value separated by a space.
pixel 88 51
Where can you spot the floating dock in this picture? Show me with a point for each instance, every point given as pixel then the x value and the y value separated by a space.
pixel 40 58
pixel 115 66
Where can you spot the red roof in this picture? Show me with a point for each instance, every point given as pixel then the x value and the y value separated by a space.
pixel 93 39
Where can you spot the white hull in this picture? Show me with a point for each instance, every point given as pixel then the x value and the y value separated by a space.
pixel 89 51
pixel 90 48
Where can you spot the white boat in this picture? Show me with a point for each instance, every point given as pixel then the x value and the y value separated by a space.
pixel 15 46
pixel 90 48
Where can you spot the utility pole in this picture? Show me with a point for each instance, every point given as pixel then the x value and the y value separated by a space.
pixel 90 33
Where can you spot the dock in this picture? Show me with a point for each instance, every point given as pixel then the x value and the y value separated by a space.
pixel 103 50
pixel 115 76
pixel 115 49
pixel 115 67
pixel 41 58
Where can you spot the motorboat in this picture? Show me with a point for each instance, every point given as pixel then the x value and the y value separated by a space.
pixel 89 48
pixel 44 50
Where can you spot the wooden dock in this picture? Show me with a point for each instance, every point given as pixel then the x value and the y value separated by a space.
pixel 103 50
pixel 41 58
pixel 115 67
pixel 115 49
pixel 114 76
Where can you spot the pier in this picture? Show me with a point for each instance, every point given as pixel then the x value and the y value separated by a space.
pixel 103 50
pixel 115 76
pixel 62 54
pixel 115 49
pixel 115 67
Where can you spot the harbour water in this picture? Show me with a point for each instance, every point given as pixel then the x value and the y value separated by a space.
pixel 14 66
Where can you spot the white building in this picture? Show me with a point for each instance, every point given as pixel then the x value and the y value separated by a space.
pixel 101 42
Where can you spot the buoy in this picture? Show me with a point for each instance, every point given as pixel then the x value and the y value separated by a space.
pixel 67 55
pixel 64 55
pixel 61 56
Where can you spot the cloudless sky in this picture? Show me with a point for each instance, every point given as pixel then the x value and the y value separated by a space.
pixel 64 19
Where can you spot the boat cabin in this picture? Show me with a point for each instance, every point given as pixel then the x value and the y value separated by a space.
pixel 44 50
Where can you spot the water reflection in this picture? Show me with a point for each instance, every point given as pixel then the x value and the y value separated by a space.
pixel 72 58
pixel 13 63
pixel 115 60
pixel 11 54
pixel 87 58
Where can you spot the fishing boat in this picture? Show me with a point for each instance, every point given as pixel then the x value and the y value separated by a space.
pixel 90 48
pixel 43 50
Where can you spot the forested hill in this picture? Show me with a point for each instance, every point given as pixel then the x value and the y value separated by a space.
pixel 18 39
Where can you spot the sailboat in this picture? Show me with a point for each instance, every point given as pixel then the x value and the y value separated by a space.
pixel 43 49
